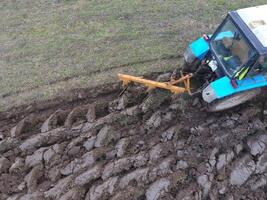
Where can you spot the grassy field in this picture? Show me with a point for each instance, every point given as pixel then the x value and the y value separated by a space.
pixel 50 46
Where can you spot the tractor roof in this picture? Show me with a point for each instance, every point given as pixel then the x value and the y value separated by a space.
pixel 253 22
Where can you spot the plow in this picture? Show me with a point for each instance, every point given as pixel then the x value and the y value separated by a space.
pixel 150 84
pixel 230 64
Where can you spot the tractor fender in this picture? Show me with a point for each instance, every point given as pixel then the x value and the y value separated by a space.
pixel 232 101
pixel 208 94
pixel 222 87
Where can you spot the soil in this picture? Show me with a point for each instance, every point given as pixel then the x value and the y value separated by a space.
pixel 96 144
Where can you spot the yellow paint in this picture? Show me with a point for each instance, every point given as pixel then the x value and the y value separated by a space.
pixel 126 79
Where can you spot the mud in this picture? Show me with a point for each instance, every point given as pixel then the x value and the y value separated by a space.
pixel 96 145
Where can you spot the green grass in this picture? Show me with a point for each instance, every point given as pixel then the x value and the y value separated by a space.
pixel 50 46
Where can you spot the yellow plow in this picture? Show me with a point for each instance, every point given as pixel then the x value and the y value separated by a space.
pixel 171 85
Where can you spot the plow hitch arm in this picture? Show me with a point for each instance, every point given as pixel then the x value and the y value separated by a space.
pixel 171 86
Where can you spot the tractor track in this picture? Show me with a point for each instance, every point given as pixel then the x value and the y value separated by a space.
pixel 95 145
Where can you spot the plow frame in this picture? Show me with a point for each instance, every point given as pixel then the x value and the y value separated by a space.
pixel 150 84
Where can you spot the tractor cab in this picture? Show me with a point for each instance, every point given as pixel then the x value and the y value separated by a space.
pixel 231 49
pixel 234 58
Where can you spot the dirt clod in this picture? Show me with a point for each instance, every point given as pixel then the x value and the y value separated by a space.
pixel 4 164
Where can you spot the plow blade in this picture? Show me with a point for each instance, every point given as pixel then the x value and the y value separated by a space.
pixel 126 79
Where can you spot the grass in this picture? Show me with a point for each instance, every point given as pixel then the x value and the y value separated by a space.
pixel 47 47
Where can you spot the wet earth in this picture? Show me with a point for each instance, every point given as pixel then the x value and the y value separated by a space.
pixel 135 146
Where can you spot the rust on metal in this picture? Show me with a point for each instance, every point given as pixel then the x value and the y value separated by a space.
pixel 171 86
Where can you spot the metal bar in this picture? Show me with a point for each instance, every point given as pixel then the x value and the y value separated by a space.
pixel 152 84
pixel 183 78
pixel 188 86
pixel 122 92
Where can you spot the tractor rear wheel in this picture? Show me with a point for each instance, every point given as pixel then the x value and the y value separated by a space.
pixel 233 100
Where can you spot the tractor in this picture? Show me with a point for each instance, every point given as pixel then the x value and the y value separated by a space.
pixel 230 64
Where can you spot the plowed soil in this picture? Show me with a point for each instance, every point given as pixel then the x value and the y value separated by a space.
pixel 94 144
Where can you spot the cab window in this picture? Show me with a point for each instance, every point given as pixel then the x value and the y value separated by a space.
pixel 232 49
pixel 260 66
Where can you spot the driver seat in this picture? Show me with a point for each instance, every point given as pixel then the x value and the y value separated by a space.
pixel 238 48
pixel 241 50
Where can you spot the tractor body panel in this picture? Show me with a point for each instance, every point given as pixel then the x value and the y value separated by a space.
pixel 222 87
pixel 200 48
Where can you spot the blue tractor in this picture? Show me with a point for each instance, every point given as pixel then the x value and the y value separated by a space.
pixel 232 62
